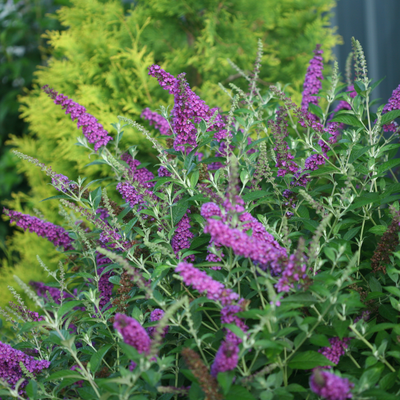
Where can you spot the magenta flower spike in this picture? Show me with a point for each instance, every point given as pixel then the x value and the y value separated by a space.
pixel 336 350
pixel 53 233
pixel 91 128
pixel 10 369
pixel 312 82
pixel 182 236
pixel 330 386
pixel 157 120
pixel 392 104
pixel 133 333
pixel 226 358
pixel 156 315
pixel 205 284
pixel 228 316
pixel 188 109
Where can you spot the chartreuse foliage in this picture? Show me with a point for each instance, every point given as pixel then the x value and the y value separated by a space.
pixel 101 58
pixel 259 321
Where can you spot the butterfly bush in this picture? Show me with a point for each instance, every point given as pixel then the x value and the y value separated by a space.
pixel 256 258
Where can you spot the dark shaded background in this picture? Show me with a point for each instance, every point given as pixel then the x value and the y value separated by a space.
pixel 375 23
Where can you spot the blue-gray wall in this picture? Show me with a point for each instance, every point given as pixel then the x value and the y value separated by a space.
pixel 376 24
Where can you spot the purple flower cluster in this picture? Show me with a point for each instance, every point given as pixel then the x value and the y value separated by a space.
pixel 312 82
pixel 226 358
pixel 25 313
pixel 228 316
pixel 393 104
pixel 188 109
pixel 336 350
pixel 330 386
pixel 130 194
pixel 42 289
pixel 62 182
pixel 294 272
pixel 105 287
pixel 283 156
pixel 53 233
pixel 91 128
pixel 139 175
pixel 133 333
pixel 267 253
pixel 205 284
pixel 182 237
pixel 158 120
pixel 10 370
pixel 163 172
pixel 365 315
pixel 156 315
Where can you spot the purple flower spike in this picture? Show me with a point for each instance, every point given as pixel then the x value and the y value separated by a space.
pixel 188 110
pixel 393 104
pixel 91 128
pixel 268 254
pixel 130 194
pixel 226 358
pixel 330 386
pixel 105 287
pixel 312 82
pixel 133 333
pixel 140 175
pixel 228 316
pixel 157 120
pixel 10 369
pixel 205 284
pixel 53 233
pixel 182 236
pixel 336 350
pixel 156 315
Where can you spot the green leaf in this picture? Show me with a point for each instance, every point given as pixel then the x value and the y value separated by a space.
pixel 67 307
pixel 378 230
pixel 96 358
pixel 254 195
pixel 348 119
pixel 178 211
pixel 324 171
pixel 63 374
pixel 316 110
pixel 31 389
pixel 371 376
pixel 388 313
pixel 235 329
pixel 96 162
pixel 359 88
pixel 365 199
pixel 58 196
pixel 309 360
pixel 388 165
pixel 203 126
pixel 341 328
pixel 374 284
pixel 319 340
pixel 239 392
pixel 194 179
pixel 357 152
pixel 390 116
pixel 351 233
pixel 199 241
pixel 304 299
pixel 115 279
pixel 225 380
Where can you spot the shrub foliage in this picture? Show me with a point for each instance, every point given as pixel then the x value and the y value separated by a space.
pixel 101 58
pixel 255 268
